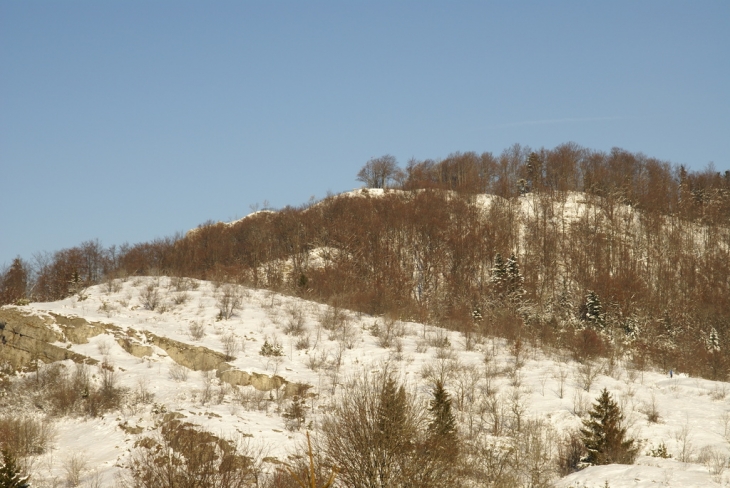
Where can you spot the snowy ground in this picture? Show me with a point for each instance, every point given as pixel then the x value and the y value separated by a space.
pixel 694 414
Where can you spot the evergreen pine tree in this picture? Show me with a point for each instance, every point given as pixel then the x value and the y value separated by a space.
pixel 14 282
pixel 443 422
pixel 499 270
pixel 514 279
pixel 443 425
pixel 295 413
pixel 391 430
pixel 631 329
pixel 594 313
pixel 499 277
pixel 10 475
pixel 603 435
pixel 713 341
pixel 534 170
pixel 75 282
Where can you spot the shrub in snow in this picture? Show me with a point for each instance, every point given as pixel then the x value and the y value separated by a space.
pixel 660 451
pixel 271 349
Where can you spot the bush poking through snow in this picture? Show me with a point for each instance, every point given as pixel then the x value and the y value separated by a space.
pixel 182 455
pixel 302 343
pixel 271 349
pixel 231 346
pixel 76 392
pixel 660 451
pixel 25 435
pixel 715 460
pixel 196 330
pixel 150 297
pixel 178 372
pixel 295 322
pixel 74 466
pixel 229 300
pixel 651 410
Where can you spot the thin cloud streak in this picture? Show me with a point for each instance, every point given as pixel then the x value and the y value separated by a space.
pixel 556 121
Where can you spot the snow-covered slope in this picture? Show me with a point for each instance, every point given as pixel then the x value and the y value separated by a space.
pixel 694 414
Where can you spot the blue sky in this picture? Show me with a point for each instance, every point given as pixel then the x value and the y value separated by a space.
pixel 131 120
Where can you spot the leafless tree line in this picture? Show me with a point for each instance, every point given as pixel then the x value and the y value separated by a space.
pixel 654 245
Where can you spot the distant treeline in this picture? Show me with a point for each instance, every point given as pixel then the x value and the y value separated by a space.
pixel 644 272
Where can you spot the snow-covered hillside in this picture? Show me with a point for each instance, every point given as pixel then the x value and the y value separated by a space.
pixel 322 347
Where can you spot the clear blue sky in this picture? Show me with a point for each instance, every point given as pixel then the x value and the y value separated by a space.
pixel 131 120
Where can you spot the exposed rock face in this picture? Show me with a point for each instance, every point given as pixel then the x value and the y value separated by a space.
pixel 197 358
pixel 78 330
pixel 262 382
pixel 25 337
pixel 30 325
pixel 134 348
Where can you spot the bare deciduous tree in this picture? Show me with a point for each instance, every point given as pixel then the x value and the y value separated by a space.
pixel 379 172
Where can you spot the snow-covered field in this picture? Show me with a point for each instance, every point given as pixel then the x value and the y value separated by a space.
pixel 693 413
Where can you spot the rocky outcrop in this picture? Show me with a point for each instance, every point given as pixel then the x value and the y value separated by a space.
pixel 134 348
pixel 30 325
pixel 25 338
pixel 197 358
pixel 78 330
pixel 259 381
pixel 262 382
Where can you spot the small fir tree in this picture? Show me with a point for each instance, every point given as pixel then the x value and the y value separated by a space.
pixel 713 341
pixel 660 451
pixel 593 311
pixel 523 186
pixel 10 473
pixel 506 279
pixel 534 170
pixel 499 271
pixel 295 413
pixel 74 284
pixel 271 349
pixel 630 327
pixel 443 424
pixel 564 306
pixel 604 436
pixel 391 415
pixel 515 279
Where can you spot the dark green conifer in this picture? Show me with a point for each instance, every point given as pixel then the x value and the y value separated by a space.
pixel 593 311
pixel 391 422
pixel 604 436
pixel 499 275
pixel 443 424
pixel 10 474
pixel 515 280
